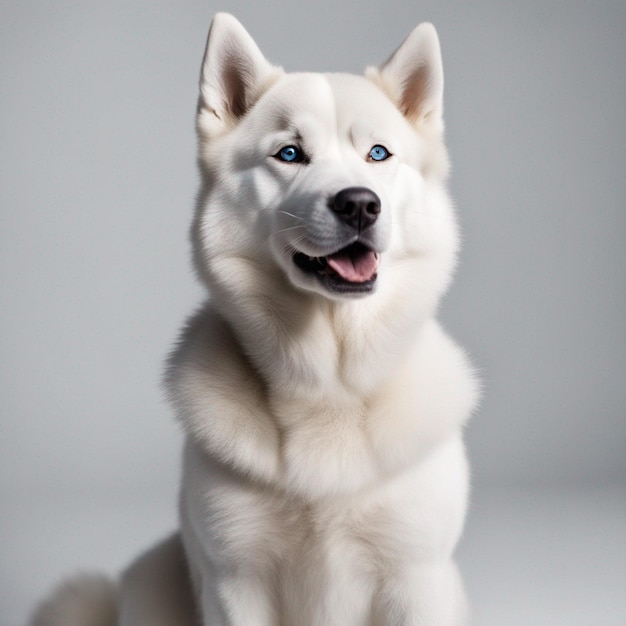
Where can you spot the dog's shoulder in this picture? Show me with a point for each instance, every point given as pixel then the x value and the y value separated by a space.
pixel 219 399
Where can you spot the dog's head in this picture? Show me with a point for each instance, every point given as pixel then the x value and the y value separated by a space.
pixel 326 183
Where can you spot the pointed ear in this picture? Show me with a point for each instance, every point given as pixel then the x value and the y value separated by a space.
pixel 413 77
pixel 234 75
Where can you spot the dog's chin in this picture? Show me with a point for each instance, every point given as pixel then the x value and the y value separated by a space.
pixel 351 272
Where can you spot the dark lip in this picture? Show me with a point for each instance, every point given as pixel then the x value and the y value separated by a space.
pixel 318 267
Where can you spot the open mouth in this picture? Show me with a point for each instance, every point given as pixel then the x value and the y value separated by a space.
pixel 352 269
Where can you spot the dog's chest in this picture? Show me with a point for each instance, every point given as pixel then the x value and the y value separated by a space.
pixel 407 515
pixel 325 447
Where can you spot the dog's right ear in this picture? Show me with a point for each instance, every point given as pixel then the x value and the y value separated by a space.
pixel 234 75
pixel 413 78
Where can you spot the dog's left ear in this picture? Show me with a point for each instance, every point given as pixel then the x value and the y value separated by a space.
pixel 413 77
pixel 234 75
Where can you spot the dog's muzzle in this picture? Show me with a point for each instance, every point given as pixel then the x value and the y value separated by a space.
pixel 352 269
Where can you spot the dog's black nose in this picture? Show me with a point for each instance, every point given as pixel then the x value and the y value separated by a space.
pixel 356 206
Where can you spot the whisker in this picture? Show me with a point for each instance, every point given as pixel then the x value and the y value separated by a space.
pixel 291 215
pixel 282 230
pixel 290 247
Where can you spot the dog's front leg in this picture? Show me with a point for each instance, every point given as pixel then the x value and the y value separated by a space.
pixel 230 593
pixel 231 530
pixel 429 594
pixel 238 599
pixel 228 596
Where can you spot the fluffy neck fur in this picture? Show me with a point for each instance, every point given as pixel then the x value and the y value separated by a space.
pixel 304 345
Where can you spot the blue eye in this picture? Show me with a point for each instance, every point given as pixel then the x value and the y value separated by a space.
pixel 290 154
pixel 379 153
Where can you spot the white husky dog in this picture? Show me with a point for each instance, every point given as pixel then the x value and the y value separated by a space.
pixel 325 480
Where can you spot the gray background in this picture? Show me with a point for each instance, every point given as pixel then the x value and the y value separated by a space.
pixel 97 181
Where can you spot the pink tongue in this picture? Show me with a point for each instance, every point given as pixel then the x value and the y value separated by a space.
pixel 354 265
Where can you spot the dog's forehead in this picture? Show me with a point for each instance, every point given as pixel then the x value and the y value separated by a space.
pixel 357 97
pixel 296 98
pixel 342 102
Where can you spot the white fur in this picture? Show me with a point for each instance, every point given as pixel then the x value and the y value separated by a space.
pixel 85 600
pixel 324 479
